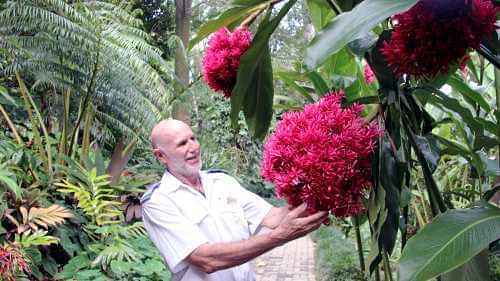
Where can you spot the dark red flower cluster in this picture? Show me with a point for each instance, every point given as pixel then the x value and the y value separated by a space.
pixel 322 156
pixel 11 261
pixel 222 58
pixel 436 33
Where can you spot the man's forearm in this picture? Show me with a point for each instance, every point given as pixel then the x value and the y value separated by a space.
pixel 213 257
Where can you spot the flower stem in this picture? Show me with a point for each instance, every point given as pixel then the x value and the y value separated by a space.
pixel 359 244
pixel 387 266
pixel 497 91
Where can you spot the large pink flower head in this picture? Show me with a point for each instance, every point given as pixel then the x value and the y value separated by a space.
pixel 322 156
pixel 436 33
pixel 222 58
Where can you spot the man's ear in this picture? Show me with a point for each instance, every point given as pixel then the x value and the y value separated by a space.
pixel 157 153
pixel 160 156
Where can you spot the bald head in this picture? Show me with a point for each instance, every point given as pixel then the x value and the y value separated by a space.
pixel 165 130
pixel 175 145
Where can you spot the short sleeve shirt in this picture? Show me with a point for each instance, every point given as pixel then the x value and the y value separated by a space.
pixel 179 219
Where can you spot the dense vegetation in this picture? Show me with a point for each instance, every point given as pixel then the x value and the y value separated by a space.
pixel 83 82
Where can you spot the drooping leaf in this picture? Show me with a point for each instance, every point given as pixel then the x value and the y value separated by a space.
pixel 379 65
pixel 392 174
pixel 459 85
pixel 346 27
pixel 292 83
pixel 449 241
pixel 253 91
pixel 366 100
pixel 319 83
pixel 443 101
pixel 7 179
pixel 258 103
pixel 226 18
pixel 430 149
pixel 363 44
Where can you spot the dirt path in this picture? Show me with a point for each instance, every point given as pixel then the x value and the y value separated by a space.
pixel 293 261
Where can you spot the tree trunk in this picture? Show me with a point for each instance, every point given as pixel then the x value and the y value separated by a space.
pixel 182 29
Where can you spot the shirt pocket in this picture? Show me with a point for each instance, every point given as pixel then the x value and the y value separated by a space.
pixel 195 213
pixel 234 219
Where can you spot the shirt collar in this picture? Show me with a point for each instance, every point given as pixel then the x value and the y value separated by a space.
pixel 169 183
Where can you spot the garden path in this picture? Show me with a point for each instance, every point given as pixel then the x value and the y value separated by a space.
pixel 293 261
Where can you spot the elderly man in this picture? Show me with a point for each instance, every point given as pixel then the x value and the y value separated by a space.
pixel 205 225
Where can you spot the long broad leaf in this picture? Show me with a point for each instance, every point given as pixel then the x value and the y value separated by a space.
pixel 226 18
pixel 10 183
pixel 468 93
pixel 349 26
pixel 254 83
pixel 449 241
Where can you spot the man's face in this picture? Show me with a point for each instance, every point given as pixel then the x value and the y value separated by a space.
pixel 182 153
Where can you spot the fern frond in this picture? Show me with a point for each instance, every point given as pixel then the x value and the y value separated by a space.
pixel 95 197
pixel 135 230
pixel 37 238
pixel 119 250
pixel 51 216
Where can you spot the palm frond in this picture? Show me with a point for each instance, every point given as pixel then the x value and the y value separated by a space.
pixel 58 44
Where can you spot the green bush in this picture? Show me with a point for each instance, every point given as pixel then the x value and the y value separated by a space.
pixel 336 258
pixel 495 266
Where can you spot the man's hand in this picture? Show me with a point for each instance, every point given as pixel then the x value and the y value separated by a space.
pixel 274 217
pixel 297 224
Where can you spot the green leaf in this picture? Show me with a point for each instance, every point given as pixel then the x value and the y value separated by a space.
pixel 258 102
pixel 5 98
pixel 429 147
pixel 320 13
pixel 342 63
pixel 290 82
pixel 366 100
pixel 441 100
pixel 392 173
pixel 319 83
pixel 349 26
pixel 475 269
pixel 453 147
pixel 379 65
pixel 363 44
pixel 7 180
pixel 459 85
pixel 254 87
pixel 226 18
pixel 449 241
pixel 238 11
